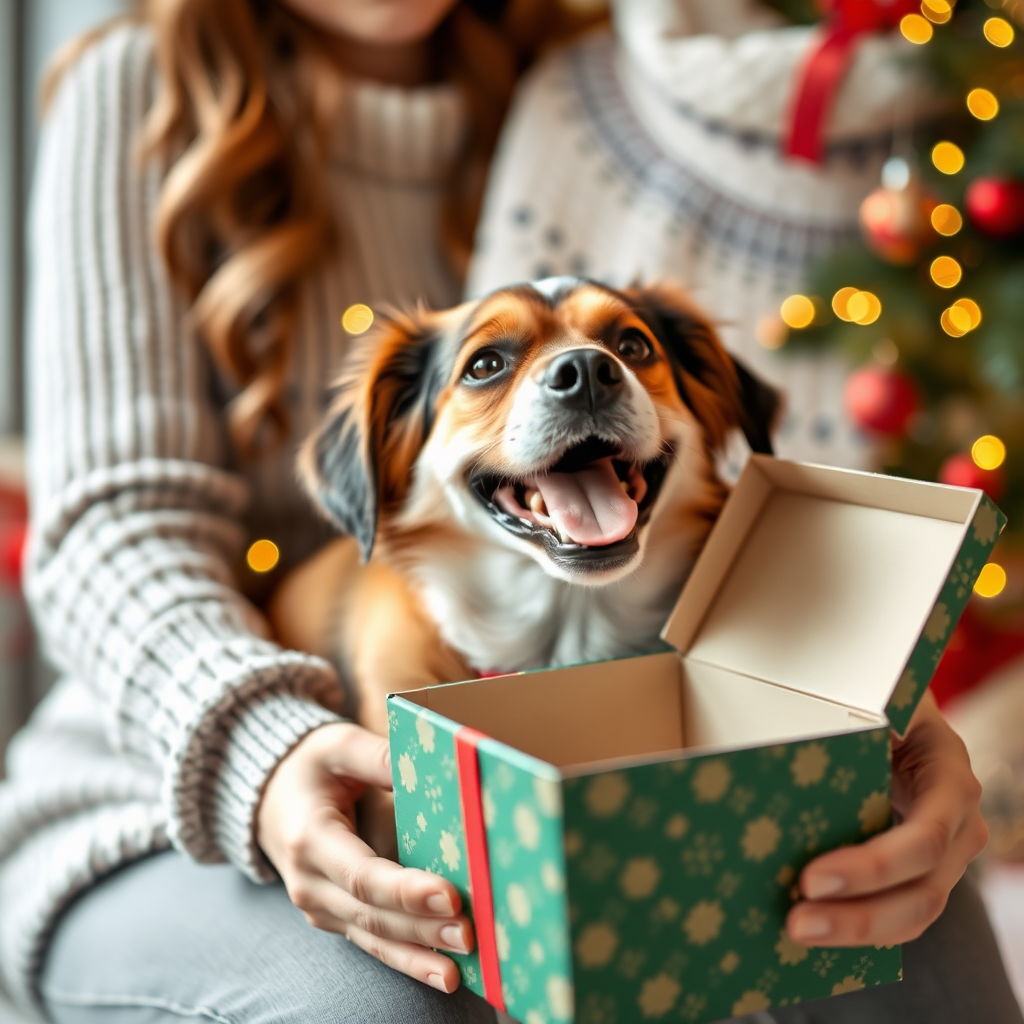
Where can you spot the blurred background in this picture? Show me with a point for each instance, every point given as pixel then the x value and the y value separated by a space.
pixel 922 299
pixel 30 32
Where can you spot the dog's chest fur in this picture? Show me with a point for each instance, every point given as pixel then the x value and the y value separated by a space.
pixel 503 613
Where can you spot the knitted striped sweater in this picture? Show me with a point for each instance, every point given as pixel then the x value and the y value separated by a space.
pixel 175 705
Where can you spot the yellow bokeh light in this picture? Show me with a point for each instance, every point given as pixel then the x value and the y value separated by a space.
pixel 999 32
pixel 262 556
pixel 864 308
pixel 971 308
pixel 991 580
pixel 357 319
pixel 988 452
pixel 946 219
pixel 939 11
pixel 955 321
pixel 797 311
pixel 916 29
pixel 948 157
pixel 946 272
pixel 982 104
pixel 840 301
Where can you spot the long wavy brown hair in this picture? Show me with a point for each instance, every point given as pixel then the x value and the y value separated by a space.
pixel 241 121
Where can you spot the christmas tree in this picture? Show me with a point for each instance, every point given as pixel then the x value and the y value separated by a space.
pixel 929 306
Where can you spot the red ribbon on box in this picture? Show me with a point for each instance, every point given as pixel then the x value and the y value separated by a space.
pixel 826 64
pixel 466 743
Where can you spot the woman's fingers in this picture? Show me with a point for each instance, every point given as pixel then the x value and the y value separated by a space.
pixel 892 887
pixel 909 850
pixel 353 866
pixel 894 916
pixel 349 751
pixel 425 965
pixel 333 909
pixel 338 882
pixel 942 828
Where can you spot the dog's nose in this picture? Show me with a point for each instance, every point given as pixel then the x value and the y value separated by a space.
pixel 584 378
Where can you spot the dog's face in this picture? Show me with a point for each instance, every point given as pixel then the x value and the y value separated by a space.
pixel 545 417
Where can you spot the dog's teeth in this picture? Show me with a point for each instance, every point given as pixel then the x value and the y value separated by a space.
pixel 536 502
pixel 525 522
pixel 563 536
pixel 624 484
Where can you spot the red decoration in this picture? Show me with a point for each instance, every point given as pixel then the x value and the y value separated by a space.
pixel 881 401
pixel 975 651
pixel 896 224
pixel 962 471
pixel 996 206
pixel 12 547
pixel 826 64
pixel 13 528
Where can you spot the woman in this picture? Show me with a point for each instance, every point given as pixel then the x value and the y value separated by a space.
pixel 218 181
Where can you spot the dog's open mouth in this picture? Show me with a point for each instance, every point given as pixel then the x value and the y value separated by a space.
pixel 591 500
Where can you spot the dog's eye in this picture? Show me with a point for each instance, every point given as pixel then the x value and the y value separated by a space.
pixel 485 364
pixel 634 346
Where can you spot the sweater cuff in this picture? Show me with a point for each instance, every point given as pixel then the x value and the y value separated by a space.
pixel 219 767
pixel 261 733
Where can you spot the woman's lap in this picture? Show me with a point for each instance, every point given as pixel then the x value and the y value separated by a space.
pixel 167 939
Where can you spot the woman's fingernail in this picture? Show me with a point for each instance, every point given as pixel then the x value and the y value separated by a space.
pixel 808 927
pixel 439 903
pixel 817 887
pixel 436 981
pixel 452 937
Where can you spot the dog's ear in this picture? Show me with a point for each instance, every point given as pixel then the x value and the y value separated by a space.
pixel 359 462
pixel 720 389
pixel 760 408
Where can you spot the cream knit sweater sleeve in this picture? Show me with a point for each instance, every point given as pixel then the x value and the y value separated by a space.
pixel 135 519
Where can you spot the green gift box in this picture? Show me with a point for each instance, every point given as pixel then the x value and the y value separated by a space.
pixel 627 835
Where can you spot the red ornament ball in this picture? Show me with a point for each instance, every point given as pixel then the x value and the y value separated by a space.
pixel 12 548
pixel 962 471
pixel 896 225
pixel 996 206
pixel 881 401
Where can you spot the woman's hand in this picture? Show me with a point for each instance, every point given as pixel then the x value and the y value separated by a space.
pixel 306 827
pixel 892 887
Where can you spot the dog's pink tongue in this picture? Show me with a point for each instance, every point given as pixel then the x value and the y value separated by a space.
pixel 589 506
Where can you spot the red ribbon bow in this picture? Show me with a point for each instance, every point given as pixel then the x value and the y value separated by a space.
pixel 828 61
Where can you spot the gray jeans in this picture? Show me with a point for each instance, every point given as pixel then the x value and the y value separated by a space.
pixel 167 940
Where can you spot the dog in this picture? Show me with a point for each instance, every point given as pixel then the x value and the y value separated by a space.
pixel 527 479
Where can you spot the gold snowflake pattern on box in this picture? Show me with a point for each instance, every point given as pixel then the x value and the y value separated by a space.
pixel 685 919
pixel 981 536
pixel 428 809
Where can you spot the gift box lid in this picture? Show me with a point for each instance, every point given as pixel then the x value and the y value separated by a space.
pixel 840 584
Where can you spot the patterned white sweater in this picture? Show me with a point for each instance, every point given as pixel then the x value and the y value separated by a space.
pixel 174 705
pixel 654 152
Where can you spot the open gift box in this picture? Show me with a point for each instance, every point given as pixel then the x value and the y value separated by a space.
pixel 627 835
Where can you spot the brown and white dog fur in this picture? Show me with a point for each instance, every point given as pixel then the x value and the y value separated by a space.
pixel 445 425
